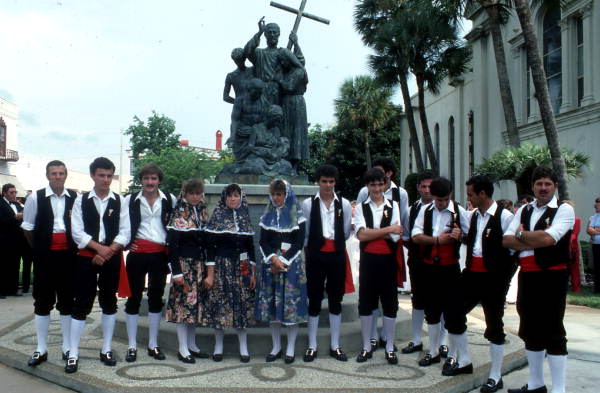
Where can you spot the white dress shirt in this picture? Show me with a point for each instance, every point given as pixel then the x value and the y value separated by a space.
pixel 363 195
pixel 328 217
pixel 377 212
pixel 58 210
pixel 482 221
pixel 151 226
pixel 441 219
pixel 82 238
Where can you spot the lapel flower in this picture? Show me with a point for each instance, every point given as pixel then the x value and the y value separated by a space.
pixel 385 213
pixel 487 232
pixel 110 212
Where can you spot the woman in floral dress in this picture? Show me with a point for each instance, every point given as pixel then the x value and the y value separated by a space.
pixel 282 297
pixel 191 277
pixel 230 248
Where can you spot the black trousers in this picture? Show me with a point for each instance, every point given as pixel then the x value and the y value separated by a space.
pixel 53 280
pixel 415 272
pixel 541 300
pixel 489 289
pixel 325 271
pixel 377 282
pixel 596 256
pixel 155 266
pixel 444 295
pixel 27 259
pixel 88 277
pixel 10 261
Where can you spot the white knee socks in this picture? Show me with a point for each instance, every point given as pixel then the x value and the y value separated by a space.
pixel 182 338
pixel 153 326
pixel 292 333
pixel 42 322
pixel 434 339
pixel 365 328
pixel 389 332
pixel 462 349
pixel 65 324
pixel 131 321
pixel 313 325
pixel 496 355
pixel 374 332
pixel 108 328
pixel 558 370
pixel 243 339
pixel 191 337
pixel 335 322
pixel 219 333
pixel 418 316
pixel 77 327
pixel 536 369
pixel 276 337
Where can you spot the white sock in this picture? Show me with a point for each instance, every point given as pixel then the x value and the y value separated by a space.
pixel 131 321
pixel 389 332
pixel 374 332
pixel 536 369
pixel 108 328
pixel 443 331
pixel 42 322
pixel 434 339
pixel 365 329
pixel 292 333
pixel 313 325
pixel 65 324
pixel 497 355
pixel 153 327
pixel 219 333
pixel 276 337
pixel 418 316
pixel 462 348
pixel 558 370
pixel 182 338
pixel 191 337
pixel 335 322
pixel 77 327
pixel 243 339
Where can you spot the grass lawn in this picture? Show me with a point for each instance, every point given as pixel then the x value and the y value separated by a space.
pixel 584 298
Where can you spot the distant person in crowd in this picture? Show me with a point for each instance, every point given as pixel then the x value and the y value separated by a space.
pixel 593 229
pixel 47 227
pixel 281 289
pixel 26 253
pixel 541 232
pixel 526 198
pixel 192 276
pixel 11 217
pixel 574 253
pixel 506 204
pixel 230 249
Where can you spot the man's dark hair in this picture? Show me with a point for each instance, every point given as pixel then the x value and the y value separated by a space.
pixel 425 175
pixel 481 183
pixel 440 187
pixel 527 197
pixel 55 163
pixel 386 163
pixel 230 189
pixel 7 187
pixel 541 172
pixel 101 163
pixel 151 169
pixel 374 174
pixel 327 170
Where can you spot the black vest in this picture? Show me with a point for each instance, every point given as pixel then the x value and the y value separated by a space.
pixel 91 218
pixel 315 235
pixel 386 220
pixel 551 255
pixel 428 228
pixel 44 221
pixel 495 257
pixel 135 214
pixel 413 248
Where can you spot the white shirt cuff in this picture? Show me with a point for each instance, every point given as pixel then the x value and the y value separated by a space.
pixel 85 239
pixel 27 226
pixel 121 240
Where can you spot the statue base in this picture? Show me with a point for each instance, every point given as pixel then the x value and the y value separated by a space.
pixel 260 179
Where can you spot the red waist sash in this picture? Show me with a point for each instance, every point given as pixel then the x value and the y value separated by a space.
pixel 381 247
pixel 143 246
pixel 123 290
pixel 477 265
pixel 378 247
pixel 445 252
pixel 59 242
pixel 528 265
pixel 328 246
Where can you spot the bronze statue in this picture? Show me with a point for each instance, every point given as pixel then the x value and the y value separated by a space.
pixel 238 79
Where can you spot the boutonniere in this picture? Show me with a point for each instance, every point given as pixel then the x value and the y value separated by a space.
pixel 487 232
pixel 339 212
pixel 547 221
pixel 385 213
pixel 110 212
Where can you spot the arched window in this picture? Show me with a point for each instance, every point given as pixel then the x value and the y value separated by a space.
pixel 451 149
pixel 552 56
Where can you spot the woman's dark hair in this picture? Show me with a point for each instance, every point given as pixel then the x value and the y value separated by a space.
pixel 277 185
pixel 230 189
pixel 195 186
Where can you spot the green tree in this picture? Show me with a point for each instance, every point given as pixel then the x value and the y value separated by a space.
pixel 319 144
pixel 153 136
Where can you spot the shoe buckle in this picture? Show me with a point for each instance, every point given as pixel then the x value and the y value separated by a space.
pixel 36 355
pixel 71 362
pixel 108 355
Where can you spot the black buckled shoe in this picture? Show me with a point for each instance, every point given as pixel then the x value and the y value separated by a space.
pixel 491 386
pixel 199 354
pixel 217 357
pixel 338 354
pixel 411 348
pixel 456 370
pixel 363 356
pixel 37 359
pixel 428 360
pixel 449 363
pixel 310 355
pixel 131 355
pixel 391 357
pixel 289 359
pixel 374 344
pixel 156 353
pixel 244 358
pixel 443 351
pixel 272 357
pixel 524 389
pixel 189 359
pixel 71 366
pixel 65 355
pixel 108 359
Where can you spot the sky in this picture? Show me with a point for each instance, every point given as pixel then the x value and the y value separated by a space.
pixel 80 70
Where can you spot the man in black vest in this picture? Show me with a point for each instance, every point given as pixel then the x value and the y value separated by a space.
pixel 378 228
pixel 487 274
pixel 149 211
pixel 100 228
pixel 47 227
pixel 328 224
pixel 10 241
pixel 540 232
pixel 439 228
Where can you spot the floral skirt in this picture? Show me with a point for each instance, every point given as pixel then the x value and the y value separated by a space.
pixel 282 297
pixel 230 302
pixel 186 301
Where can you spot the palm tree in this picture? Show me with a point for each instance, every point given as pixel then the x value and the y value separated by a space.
pixel 366 105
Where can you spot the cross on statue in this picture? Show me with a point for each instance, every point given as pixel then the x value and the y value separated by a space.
pixel 299 14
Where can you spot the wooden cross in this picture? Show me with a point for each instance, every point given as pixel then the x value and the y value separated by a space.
pixel 299 14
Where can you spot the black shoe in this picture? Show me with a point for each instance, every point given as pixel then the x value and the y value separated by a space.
pixel 411 348
pixel 523 389
pixel 217 357
pixel 456 370
pixel 428 360
pixel 391 357
pixel 131 355
pixel 37 359
pixel 271 358
pixel 449 364
pixel 374 344
pixel 443 351
pixel 186 359
pixel 199 354
pixel 289 359
pixel 244 358
pixel 383 343
pixel 338 354
pixel 65 356
pixel 108 359
pixel 71 366
pixel 363 356
pixel 156 353
pixel 309 355
pixel 491 386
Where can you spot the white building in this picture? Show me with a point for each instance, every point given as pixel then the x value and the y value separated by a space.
pixel 466 118
pixel 9 142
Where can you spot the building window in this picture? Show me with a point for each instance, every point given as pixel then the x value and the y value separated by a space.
pixel 410 157
pixel 471 143
pixel 2 138
pixel 436 135
pixel 451 149
pixel 553 57
pixel 579 26
pixel 528 83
